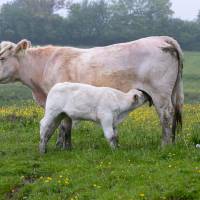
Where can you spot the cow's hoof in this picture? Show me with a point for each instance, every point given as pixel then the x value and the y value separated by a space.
pixel 165 144
pixel 59 144
pixel 67 147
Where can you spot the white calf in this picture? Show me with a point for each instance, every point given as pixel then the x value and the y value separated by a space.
pixel 75 101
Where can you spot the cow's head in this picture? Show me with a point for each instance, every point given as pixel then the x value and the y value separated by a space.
pixel 10 54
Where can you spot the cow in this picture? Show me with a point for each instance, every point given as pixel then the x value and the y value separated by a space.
pixel 77 101
pixel 153 65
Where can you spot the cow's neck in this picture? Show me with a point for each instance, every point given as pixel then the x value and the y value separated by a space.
pixel 32 66
pixel 31 71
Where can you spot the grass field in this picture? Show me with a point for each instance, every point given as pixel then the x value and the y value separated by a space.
pixel 139 169
pixel 191 77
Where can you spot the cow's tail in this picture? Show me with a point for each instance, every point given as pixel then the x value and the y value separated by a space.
pixel 177 94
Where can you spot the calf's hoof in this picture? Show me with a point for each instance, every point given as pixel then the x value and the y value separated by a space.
pixel 114 143
pixel 42 149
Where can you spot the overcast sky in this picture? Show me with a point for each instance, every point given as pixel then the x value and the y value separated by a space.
pixel 184 9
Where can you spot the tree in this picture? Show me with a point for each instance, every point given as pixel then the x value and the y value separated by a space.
pixel 31 19
pixel 87 21
pixel 133 19
pixel 94 22
pixel 39 7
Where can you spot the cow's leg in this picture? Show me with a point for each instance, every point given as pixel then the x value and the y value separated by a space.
pixel 109 133
pixel 47 127
pixel 165 110
pixel 60 138
pixel 67 124
pixel 64 137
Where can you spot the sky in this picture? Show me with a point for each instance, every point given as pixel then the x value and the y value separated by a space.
pixel 184 9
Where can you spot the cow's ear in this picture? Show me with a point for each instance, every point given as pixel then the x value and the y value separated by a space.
pixel 22 45
pixel 6 49
pixel 135 98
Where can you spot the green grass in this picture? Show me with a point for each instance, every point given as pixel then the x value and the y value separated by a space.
pixel 14 94
pixel 92 170
pixel 191 77
pixel 138 170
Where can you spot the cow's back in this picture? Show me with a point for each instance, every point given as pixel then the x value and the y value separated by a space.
pixel 139 64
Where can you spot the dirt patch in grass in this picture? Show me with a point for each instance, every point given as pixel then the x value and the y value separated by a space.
pixel 25 181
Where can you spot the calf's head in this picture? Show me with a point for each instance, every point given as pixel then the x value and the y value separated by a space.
pixel 139 98
pixel 10 54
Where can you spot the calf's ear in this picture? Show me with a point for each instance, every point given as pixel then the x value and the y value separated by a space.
pixel 22 46
pixel 135 98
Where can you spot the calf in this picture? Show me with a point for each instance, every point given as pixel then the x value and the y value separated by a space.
pixel 75 101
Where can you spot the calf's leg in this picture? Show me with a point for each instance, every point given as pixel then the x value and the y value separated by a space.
pixel 109 133
pixel 47 127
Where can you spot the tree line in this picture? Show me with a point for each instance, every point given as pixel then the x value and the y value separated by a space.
pixel 94 22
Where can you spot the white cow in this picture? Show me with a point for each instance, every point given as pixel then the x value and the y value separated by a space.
pixel 152 64
pixel 76 101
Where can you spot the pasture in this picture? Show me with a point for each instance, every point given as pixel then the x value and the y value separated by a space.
pixel 139 169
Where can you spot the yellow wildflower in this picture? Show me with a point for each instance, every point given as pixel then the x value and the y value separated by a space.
pixel 142 195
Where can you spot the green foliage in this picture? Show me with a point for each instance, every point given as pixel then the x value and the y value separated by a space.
pixel 98 22
pixel 34 20
pixel 87 22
